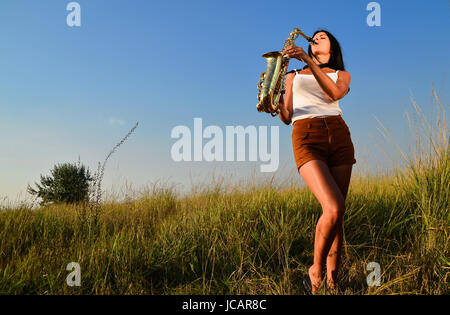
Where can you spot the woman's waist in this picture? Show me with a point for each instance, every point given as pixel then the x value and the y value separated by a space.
pixel 315 111
pixel 318 121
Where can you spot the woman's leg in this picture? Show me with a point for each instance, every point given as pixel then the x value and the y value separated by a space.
pixel 341 175
pixel 334 255
pixel 319 179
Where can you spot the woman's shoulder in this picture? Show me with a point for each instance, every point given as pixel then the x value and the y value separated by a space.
pixel 344 73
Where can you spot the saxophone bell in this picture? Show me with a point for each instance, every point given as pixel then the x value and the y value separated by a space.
pixel 269 84
pixel 272 82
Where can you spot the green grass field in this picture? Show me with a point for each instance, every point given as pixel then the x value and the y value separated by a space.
pixel 234 240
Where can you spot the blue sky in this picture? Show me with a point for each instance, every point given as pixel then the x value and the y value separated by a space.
pixel 69 92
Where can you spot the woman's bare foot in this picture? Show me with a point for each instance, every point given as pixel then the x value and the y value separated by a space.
pixel 331 284
pixel 331 280
pixel 315 276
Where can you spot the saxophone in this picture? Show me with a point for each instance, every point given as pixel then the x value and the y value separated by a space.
pixel 272 82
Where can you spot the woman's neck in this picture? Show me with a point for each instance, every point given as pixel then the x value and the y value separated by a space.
pixel 321 59
pixel 317 61
pixel 322 65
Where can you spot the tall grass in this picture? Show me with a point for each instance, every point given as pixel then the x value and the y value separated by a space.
pixel 241 239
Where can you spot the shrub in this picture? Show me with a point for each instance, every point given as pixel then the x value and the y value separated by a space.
pixel 68 183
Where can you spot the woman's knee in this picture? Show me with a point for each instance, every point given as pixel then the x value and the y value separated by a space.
pixel 334 211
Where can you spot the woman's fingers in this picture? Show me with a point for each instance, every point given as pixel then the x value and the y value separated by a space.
pixel 294 52
pixel 290 54
pixel 290 48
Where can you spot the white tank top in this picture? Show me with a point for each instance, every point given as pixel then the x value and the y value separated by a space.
pixel 309 100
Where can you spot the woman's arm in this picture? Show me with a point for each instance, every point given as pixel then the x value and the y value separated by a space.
pixel 335 91
pixel 286 107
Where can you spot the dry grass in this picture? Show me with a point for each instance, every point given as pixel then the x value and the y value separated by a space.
pixel 256 239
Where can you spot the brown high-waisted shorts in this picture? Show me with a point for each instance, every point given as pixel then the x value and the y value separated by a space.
pixel 326 138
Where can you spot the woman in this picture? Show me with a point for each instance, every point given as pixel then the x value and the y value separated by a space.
pixel 322 144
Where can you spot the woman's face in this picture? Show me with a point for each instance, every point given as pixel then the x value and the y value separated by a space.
pixel 322 45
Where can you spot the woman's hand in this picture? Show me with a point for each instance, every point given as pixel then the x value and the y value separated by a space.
pixel 296 52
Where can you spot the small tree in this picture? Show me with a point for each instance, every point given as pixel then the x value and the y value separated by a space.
pixel 68 183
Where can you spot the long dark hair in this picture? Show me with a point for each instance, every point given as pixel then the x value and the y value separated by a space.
pixel 336 61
